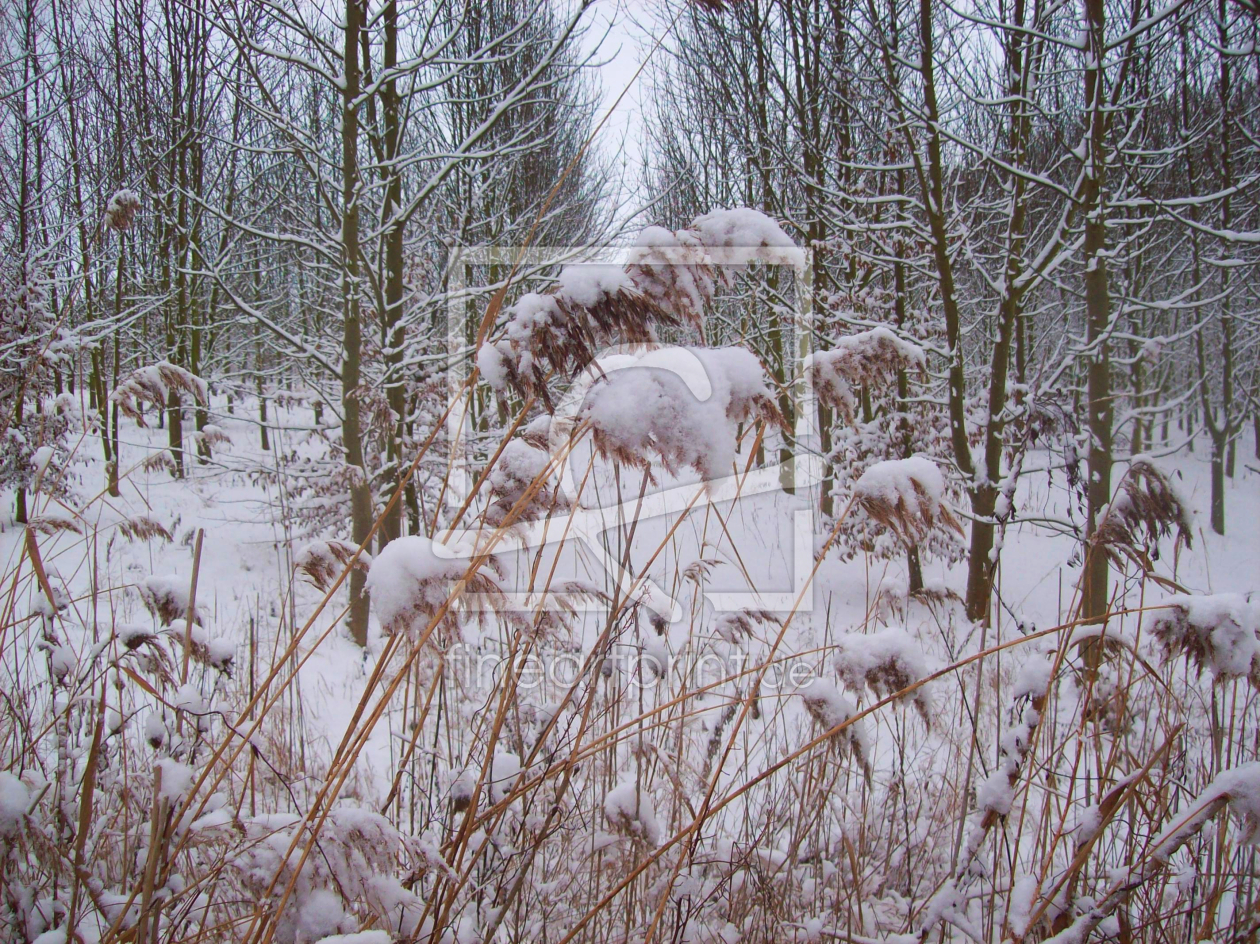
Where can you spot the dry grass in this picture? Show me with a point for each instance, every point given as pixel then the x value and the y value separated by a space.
pixel 1002 812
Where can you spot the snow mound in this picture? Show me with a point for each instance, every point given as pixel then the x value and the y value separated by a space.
pixel 1238 788
pixel 15 800
pixel 831 708
pixel 522 476
pixel 166 597
pixel 866 358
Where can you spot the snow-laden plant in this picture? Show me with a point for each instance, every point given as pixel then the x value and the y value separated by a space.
pixel 652 413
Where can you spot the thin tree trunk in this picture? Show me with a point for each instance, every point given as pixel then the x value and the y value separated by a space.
pixel 1094 590
pixel 352 335
pixel 392 327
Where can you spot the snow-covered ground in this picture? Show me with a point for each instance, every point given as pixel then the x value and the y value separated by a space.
pixel 656 733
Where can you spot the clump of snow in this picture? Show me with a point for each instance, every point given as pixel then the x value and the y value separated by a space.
pixel 40 459
pixel 670 269
pixel 411 580
pixel 358 937
pixel 1033 679
pixel 321 917
pixel 166 597
pixel 674 268
pixel 133 635
pixel 520 468
pixel 1217 632
pixel 560 331
pixel 679 406
pixel 188 698
pixel 591 285
pixel 740 227
pixel 217 652
pixel 492 364
pixel 505 770
pixel 401 911
pixel 1238 788
pixel 831 708
pixel 1089 824
pixel 153 384
pixel 907 496
pixel 629 810
pixel 53 520
pixel 121 210
pixel 62 661
pixel 15 800
pixel 668 278
pixel 887 662
pixel 357 853
pixel 323 561
pixel 866 358
pixel 1023 896
pixel 176 779
pixel 154 729
pixel 504 773
pixel 655 656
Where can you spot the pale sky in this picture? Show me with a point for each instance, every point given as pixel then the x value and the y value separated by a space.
pixel 631 26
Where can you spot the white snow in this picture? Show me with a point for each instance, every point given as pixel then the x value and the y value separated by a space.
pixel 166 597
pixel 358 937
pixel 15 800
pixel 681 406
pixel 40 459
pixel 886 660
pixel 176 778
pixel 1224 626
pixel 492 365
pixel 1238 787
pixel 589 285
pixel 504 771
pixel 409 579
pixel 894 480
pixel 741 227
pixel 631 817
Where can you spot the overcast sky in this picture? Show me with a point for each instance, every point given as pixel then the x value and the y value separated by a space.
pixel 630 27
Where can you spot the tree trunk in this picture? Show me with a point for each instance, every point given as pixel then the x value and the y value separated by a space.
pixel 934 185
pixel 352 336
pixel 175 433
pixel 1094 581
pixel 19 509
pixel 392 323
pixel 1219 446
pixel 915 568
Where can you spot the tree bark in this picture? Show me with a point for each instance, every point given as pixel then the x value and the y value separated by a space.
pixel 352 335
pixel 394 333
pixel 1094 581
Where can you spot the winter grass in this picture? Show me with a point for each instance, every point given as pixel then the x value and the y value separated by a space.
pixel 1014 791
